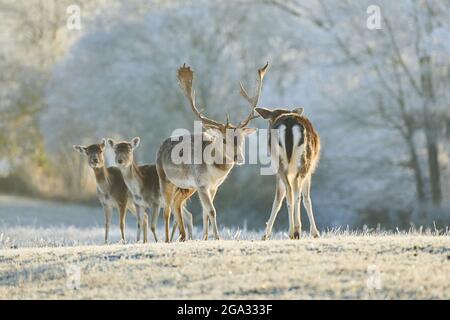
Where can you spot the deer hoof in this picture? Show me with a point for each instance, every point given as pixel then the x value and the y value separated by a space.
pixel 296 235
pixel 315 234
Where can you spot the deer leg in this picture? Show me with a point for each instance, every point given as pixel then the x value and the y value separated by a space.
pixel 139 222
pixel 154 220
pixel 186 216
pixel 122 216
pixel 208 209
pixel 306 191
pixel 174 228
pixel 205 224
pixel 291 209
pixel 180 199
pixel 298 218
pixel 167 213
pixel 167 190
pixel 186 194
pixel 175 225
pixel 213 192
pixel 108 212
pixel 280 193
pixel 177 203
pixel 206 220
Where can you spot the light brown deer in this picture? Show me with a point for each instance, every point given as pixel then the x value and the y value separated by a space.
pixel 143 183
pixel 179 181
pixel 111 189
pixel 297 152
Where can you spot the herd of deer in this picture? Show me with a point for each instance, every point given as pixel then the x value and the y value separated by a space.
pixel 144 189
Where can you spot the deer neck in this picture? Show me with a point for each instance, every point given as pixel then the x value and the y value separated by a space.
pixel 133 178
pixel 102 179
pixel 227 162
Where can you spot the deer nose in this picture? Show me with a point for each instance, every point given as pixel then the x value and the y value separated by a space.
pixel 120 161
pixel 239 160
pixel 95 160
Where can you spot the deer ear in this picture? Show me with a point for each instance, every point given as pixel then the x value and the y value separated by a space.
pixel 103 143
pixel 80 149
pixel 135 142
pixel 209 136
pixel 111 143
pixel 265 113
pixel 299 111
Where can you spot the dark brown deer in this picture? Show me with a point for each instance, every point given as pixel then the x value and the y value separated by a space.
pixel 297 152
pixel 179 181
pixel 111 189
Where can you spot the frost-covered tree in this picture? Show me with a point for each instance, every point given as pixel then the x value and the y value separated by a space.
pixel 119 79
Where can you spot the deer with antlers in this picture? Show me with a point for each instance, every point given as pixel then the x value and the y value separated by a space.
pixel 180 180
pixel 297 151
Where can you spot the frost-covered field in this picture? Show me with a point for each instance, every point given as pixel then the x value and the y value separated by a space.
pixel 38 260
pixel 335 266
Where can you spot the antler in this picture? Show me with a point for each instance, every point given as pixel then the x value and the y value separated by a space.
pixel 254 100
pixel 185 78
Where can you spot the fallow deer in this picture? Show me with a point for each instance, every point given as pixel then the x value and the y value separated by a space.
pixel 111 189
pixel 179 181
pixel 143 183
pixel 297 147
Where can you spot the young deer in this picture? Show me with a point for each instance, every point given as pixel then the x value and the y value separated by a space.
pixel 111 189
pixel 179 181
pixel 143 183
pixel 297 154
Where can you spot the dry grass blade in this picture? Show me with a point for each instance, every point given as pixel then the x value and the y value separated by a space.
pixel 185 80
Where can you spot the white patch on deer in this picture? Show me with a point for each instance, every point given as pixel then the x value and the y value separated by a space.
pixel 296 138
pixel 296 134
pixel 135 189
pixel 298 150
pixel 105 198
